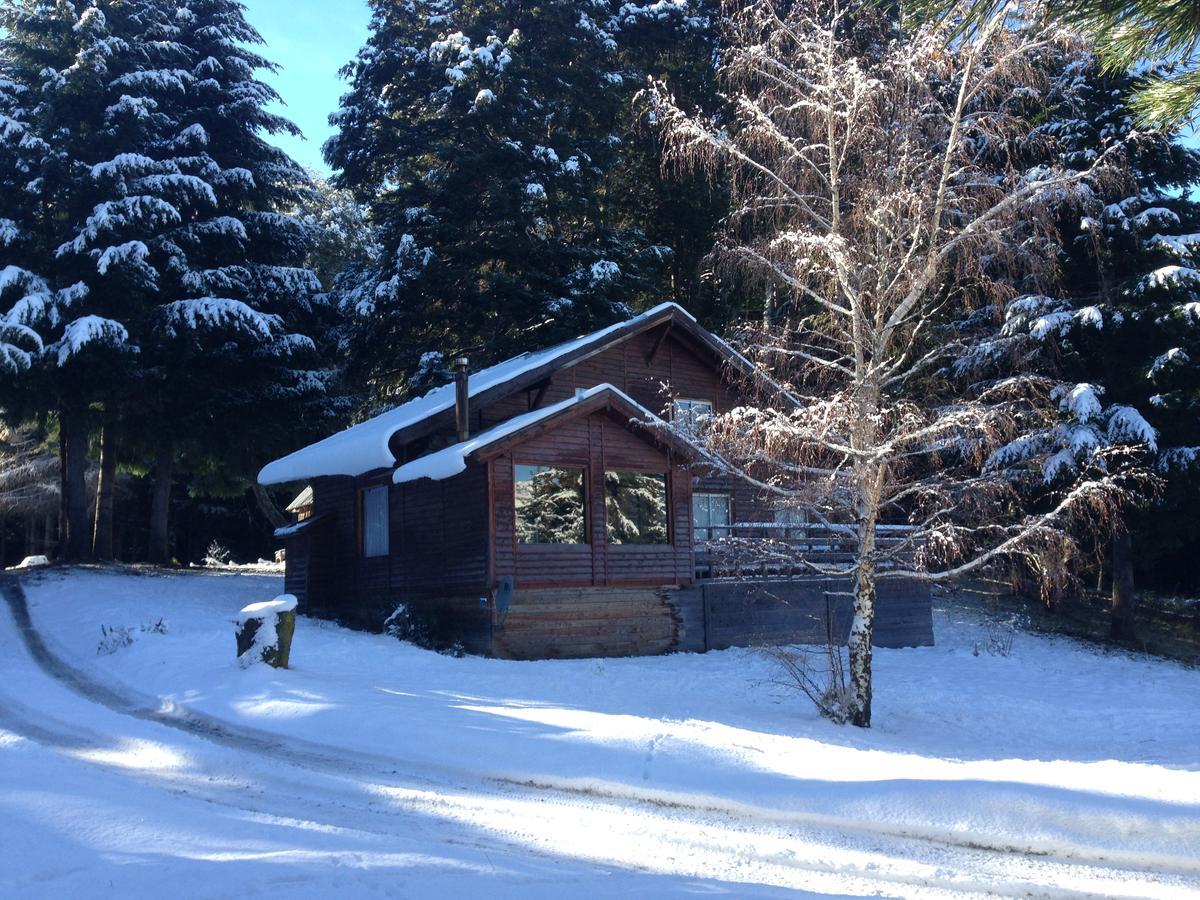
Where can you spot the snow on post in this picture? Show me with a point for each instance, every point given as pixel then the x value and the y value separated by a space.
pixel 265 632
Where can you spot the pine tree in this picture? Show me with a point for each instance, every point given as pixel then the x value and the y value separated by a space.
pixel 58 61
pixel 486 134
pixel 165 284
pixel 1124 330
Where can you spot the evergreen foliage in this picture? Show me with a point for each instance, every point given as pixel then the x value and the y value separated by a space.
pixel 1125 330
pixel 489 138
pixel 149 268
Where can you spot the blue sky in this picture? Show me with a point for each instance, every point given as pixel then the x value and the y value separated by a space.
pixel 310 40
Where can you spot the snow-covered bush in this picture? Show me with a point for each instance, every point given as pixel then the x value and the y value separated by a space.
pixel 118 637
pixel 404 626
pixel 217 554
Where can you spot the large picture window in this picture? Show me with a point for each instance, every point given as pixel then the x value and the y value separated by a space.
pixel 635 506
pixel 710 516
pixel 550 505
pixel 375 521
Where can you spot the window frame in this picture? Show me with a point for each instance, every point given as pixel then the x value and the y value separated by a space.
pixel 795 530
pixel 585 486
pixel 685 416
pixel 728 498
pixel 642 470
pixel 363 525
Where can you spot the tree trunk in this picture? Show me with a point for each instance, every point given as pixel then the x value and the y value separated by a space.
pixel 1124 591
pixel 268 507
pixel 160 507
pixel 859 645
pixel 106 493
pixel 73 521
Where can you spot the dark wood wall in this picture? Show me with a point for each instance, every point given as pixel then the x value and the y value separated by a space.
pixel 452 541
pixel 652 375
pixel 437 560
pixel 595 443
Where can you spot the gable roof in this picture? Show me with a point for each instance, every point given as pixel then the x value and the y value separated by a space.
pixel 449 461
pixel 367 446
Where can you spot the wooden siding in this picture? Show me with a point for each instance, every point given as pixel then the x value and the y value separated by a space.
pixel 437 559
pixel 594 443
pixel 687 372
pixel 563 623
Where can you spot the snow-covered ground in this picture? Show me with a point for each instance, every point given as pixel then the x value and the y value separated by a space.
pixel 375 768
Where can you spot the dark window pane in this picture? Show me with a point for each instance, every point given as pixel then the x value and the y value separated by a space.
pixel 550 505
pixel 375 521
pixel 636 507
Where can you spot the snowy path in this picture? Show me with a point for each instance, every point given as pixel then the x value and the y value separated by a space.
pixel 345 819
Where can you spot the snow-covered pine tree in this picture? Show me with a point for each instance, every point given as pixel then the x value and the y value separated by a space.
pixel 484 134
pixel 226 349
pixel 1125 328
pixel 160 275
pixel 57 61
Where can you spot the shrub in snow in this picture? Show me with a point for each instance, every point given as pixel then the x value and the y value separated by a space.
pixel 405 625
pixel 819 673
pixel 217 554
pixel 1001 633
pixel 31 562
pixel 265 632
pixel 117 637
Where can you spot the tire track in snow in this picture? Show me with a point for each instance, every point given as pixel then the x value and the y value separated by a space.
pixel 338 762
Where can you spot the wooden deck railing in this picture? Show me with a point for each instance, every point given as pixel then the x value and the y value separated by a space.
pixel 748 549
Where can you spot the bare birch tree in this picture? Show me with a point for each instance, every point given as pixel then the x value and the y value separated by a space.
pixel 881 195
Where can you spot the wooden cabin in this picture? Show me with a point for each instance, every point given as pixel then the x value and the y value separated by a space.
pixel 541 507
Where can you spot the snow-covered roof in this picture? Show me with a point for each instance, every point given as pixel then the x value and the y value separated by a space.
pixel 365 446
pixel 301 500
pixel 449 461
pixel 299 527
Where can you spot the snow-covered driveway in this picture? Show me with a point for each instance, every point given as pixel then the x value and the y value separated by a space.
pixel 375 768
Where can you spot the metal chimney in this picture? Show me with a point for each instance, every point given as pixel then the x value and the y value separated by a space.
pixel 462 399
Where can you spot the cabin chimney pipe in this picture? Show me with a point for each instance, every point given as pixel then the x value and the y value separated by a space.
pixel 462 401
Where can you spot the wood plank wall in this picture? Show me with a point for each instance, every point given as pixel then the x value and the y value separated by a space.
pixel 595 443
pixel 676 370
pixel 437 560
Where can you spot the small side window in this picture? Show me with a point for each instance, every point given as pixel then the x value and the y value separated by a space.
pixel 689 414
pixel 791 516
pixel 710 517
pixel 375 521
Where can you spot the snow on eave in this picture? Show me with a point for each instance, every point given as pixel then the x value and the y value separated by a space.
pixel 298 527
pixel 364 447
pixel 452 460
pixel 301 500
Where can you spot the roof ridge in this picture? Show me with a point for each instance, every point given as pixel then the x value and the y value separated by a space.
pixel 365 445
